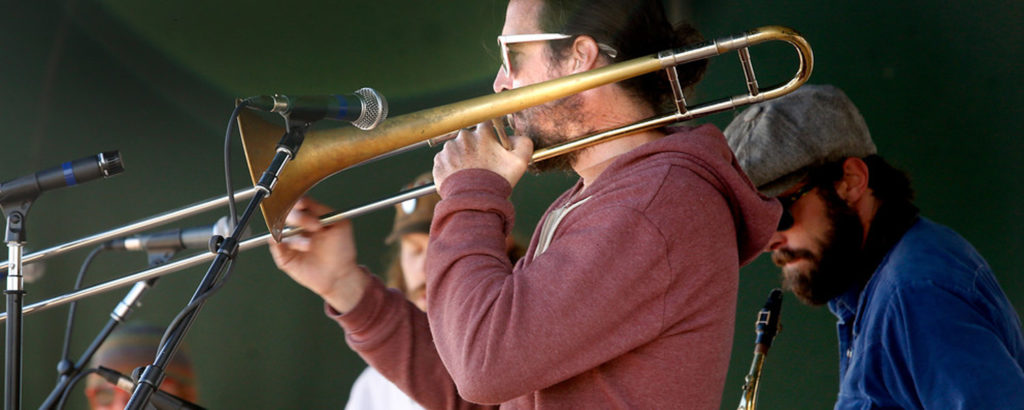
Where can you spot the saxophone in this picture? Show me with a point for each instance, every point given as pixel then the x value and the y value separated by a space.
pixel 766 327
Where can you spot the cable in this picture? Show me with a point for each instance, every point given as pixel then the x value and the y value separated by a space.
pixel 233 216
pixel 71 386
pixel 198 300
pixel 195 303
pixel 65 351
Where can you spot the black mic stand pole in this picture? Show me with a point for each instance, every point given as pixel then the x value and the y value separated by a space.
pixel 153 374
pixel 66 369
pixel 15 237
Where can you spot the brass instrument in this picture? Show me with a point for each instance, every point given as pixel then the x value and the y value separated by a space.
pixel 327 152
pixel 766 327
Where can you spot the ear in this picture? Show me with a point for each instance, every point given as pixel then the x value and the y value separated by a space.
pixel 854 184
pixel 585 54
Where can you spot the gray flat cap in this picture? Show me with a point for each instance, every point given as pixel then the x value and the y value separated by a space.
pixel 776 141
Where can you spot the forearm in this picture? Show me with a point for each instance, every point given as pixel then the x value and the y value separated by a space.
pixel 393 336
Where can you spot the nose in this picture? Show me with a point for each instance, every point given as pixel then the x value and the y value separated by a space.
pixel 777 240
pixel 502 81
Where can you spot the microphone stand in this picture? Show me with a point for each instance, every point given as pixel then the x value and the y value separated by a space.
pixel 66 369
pixel 152 375
pixel 16 212
pixel 16 198
pixel 767 327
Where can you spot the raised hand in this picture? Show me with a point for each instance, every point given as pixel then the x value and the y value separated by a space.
pixel 322 258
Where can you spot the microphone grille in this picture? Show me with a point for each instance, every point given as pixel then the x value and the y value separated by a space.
pixel 375 109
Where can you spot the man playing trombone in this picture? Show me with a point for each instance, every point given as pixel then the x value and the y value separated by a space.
pixel 626 296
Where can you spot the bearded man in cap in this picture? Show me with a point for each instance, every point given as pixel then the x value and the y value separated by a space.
pixel 922 322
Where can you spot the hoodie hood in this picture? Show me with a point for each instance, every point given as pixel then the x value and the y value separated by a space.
pixel 704 151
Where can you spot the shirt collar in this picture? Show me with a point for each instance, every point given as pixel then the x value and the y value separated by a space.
pixel 844 306
pixel 890 223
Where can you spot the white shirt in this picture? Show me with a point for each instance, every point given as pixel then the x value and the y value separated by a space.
pixel 372 391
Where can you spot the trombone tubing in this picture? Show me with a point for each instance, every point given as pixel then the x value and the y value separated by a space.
pixel 131 228
pixel 197 259
pixel 330 151
pixel 331 218
pixel 664 59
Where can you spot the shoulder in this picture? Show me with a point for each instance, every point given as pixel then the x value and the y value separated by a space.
pixel 685 165
pixel 931 269
pixel 931 255
pixel 688 172
pixel 660 196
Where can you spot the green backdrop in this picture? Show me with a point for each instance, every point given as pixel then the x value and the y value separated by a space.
pixel 157 80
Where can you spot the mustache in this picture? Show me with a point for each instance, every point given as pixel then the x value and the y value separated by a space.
pixel 782 256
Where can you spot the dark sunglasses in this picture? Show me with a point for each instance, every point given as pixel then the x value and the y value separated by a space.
pixel 786 221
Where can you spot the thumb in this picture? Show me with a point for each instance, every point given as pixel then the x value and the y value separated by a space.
pixel 522 147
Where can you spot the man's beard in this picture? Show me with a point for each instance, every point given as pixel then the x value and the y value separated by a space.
pixel 837 267
pixel 544 125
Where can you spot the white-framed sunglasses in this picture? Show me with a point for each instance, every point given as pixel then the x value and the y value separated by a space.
pixel 504 41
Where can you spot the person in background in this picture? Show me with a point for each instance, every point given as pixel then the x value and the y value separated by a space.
pixel 922 321
pixel 626 296
pixel 130 346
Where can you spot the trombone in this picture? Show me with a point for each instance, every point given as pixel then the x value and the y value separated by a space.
pixel 327 152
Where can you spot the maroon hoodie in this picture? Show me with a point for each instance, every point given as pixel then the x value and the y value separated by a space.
pixel 625 298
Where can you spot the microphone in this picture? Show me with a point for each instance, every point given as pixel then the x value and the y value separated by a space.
pixel 172 240
pixel 160 399
pixel 28 187
pixel 364 109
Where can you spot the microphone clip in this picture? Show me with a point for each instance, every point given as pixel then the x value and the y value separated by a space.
pixel 215 242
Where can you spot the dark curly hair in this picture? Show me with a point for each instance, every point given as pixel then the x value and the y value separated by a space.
pixel 634 29
pixel 887 183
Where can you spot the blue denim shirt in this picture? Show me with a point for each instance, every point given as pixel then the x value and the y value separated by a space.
pixel 931 329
